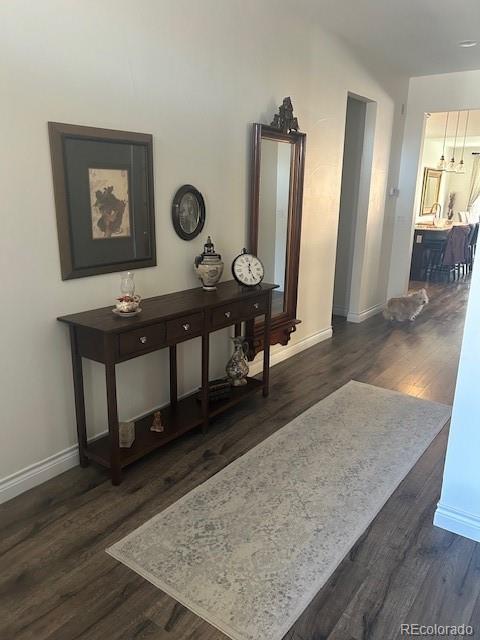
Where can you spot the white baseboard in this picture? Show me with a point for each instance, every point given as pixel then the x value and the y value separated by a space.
pixel 52 466
pixel 38 473
pixel 44 470
pixel 456 521
pixel 364 315
pixel 282 353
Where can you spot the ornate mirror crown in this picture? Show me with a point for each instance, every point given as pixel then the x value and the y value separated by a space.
pixel 284 120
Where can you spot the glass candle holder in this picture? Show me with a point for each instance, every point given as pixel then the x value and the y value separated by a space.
pixel 127 284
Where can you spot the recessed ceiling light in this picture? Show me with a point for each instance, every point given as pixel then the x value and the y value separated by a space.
pixel 466 44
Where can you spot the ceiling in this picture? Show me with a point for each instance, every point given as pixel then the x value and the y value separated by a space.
pixel 435 127
pixel 412 37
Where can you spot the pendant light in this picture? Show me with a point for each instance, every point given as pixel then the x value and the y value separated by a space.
pixel 461 165
pixel 442 164
pixel 451 166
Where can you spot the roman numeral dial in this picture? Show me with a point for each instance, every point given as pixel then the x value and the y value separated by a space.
pixel 247 269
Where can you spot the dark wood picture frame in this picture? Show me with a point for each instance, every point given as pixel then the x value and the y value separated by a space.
pixel 60 135
pixel 282 324
pixel 177 199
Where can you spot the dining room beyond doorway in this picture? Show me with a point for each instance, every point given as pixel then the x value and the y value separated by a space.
pixel 448 199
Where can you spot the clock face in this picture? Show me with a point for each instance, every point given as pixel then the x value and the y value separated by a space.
pixel 248 269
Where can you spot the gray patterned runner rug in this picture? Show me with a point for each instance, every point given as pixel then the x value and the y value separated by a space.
pixel 248 549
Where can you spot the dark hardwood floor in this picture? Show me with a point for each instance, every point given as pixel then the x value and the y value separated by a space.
pixel 57 582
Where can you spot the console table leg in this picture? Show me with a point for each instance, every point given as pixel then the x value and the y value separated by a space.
pixel 115 468
pixel 266 347
pixel 205 364
pixel 238 329
pixel 79 398
pixel 173 375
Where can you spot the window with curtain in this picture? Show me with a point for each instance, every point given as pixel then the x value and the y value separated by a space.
pixel 474 196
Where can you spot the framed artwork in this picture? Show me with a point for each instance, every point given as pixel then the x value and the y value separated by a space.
pixel 188 212
pixel 103 185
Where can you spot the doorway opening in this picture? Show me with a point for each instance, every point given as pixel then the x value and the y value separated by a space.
pixel 354 198
pixel 447 201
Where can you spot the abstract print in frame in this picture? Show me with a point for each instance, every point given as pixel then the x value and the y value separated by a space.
pixel 110 209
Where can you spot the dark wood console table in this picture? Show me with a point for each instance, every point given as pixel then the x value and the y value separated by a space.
pixel 165 321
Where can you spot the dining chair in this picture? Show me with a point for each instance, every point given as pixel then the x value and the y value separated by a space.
pixel 456 254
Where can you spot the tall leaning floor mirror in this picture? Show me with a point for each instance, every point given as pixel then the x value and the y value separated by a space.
pixel 277 173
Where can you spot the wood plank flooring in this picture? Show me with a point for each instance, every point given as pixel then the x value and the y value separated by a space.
pixel 57 583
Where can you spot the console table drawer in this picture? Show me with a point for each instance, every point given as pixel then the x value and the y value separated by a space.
pixel 140 340
pixel 184 328
pixel 227 314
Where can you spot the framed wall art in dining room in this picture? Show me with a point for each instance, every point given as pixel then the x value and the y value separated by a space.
pixel 103 185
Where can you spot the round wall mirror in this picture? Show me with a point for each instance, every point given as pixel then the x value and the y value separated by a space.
pixel 188 212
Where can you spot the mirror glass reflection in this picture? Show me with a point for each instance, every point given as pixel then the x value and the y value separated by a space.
pixel 431 190
pixel 273 216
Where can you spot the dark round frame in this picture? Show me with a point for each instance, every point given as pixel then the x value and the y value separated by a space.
pixel 187 188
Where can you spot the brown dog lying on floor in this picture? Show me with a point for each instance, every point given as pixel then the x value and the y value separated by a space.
pixel 406 308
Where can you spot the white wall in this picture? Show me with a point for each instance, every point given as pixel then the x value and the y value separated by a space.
pixel 459 506
pixel 446 92
pixel 194 74
pixel 460 183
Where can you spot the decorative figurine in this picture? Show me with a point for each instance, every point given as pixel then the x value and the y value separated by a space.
pixel 209 266
pixel 126 434
pixel 237 367
pixel 157 424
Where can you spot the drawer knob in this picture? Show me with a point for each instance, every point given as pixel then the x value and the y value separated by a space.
pixel 228 314
pixel 143 339
pixel 256 305
pixel 186 326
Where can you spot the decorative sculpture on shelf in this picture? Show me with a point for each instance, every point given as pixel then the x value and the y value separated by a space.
pixel 284 120
pixel 157 424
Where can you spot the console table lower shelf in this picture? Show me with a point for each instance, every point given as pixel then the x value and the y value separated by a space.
pixel 179 418
pixel 165 322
